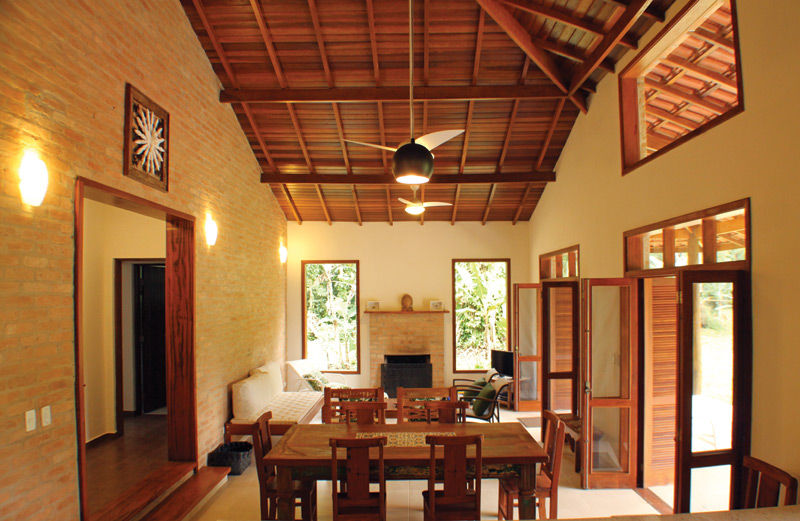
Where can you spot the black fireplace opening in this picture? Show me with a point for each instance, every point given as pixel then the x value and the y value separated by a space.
pixel 405 371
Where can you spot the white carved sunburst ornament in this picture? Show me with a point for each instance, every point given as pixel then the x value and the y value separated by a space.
pixel 148 152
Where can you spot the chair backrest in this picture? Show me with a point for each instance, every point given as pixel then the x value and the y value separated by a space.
pixel 445 411
pixel 554 448
pixel 410 401
pixel 333 398
pixel 262 444
pixel 357 463
pixel 764 485
pixel 363 413
pixel 456 476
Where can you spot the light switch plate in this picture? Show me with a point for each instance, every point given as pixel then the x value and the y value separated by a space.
pixel 30 420
pixel 47 419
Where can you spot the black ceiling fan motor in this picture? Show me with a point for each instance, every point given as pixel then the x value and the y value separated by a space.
pixel 412 158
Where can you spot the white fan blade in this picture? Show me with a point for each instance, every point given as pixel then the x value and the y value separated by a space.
pixel 434 139
pixel 390 149
pixel 435 203
pixel 405 201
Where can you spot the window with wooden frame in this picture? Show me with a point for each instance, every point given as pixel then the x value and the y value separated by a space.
pixel 718 235
pixel 481 289
pixel 686 81
pixel 331 327
pixel 560 264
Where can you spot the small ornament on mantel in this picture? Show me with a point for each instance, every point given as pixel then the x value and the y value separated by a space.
pixel 406 303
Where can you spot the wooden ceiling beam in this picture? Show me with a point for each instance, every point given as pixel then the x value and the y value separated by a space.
pixel 714 39
pixel 365 179
pixel 652 12
pixel 318 188
pixel 476 64
pixel 232 78
pixel 367 94
pixel 573 53
pixel 355 203
pixel 455 205
pixel 389 205
pixel 373 42
pixel 300 139
pixel 293 206
pixel 511 118
pixel 550 131
pixel 685 96
pixel 686 123
pixel 488 204
pixel 521 204
pixel 266 36
pixel 701 72
pixel 614 35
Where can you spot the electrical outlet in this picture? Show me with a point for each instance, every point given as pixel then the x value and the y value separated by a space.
pixel 47 418
pixel 30 420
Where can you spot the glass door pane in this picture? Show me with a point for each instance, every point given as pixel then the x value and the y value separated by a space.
pixel 527 334
pixel 560 326
pixel 611 439
pixel 711 489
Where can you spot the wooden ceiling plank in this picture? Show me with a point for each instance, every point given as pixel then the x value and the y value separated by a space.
pixel 455 205
pixel 572 53
pixel 476 62
pixel 266 37
pixel 550 131
pixel 355 203
pixel 465 144
pixel 511 118
pixel 232 78
pixel 312 8
pixel 701 72
pixel 686 123
pixel 300 139
pixel 382 129
pixel 564 16
pixel 367 94
pixel 632 13
pixel 652 12
pixel 714 39
pixel 521 204
pixel 340 131
pixel 293 206
pixel 488 204
pixel 373 41
pixel 318 188
pixel 426 33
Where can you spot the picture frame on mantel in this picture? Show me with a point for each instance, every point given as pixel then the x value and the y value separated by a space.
pixel 436 305
pixel 373 305
pixel 146 140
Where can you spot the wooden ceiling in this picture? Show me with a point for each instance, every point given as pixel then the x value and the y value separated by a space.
pixel 693 84
pixel 304 75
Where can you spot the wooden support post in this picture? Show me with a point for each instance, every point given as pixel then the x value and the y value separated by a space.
pixel 669 247
pixel 709 241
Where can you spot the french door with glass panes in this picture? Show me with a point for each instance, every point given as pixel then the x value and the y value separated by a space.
pixel 609 419
pixel 714 389
pixel 527 351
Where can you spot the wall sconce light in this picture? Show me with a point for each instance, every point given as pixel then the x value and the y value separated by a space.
pixel 211 230
pixel 284 253
pixel 32 178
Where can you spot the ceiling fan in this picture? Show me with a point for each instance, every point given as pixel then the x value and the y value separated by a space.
pixel 412 162
pixel 416 207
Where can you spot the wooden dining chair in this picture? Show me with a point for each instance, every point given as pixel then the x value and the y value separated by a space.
pixel 363 413
pixel 456 500
pixel 333 398
pixel 764 485
pixel 445 411
pixel 352 498
pixel 304 494
pixel 547 478
pixel 410 401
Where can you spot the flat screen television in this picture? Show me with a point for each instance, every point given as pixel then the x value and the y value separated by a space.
pixel 503 362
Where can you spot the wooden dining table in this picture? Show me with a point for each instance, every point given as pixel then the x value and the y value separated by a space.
pixel 304 453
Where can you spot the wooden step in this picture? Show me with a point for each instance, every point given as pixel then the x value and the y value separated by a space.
pixel 153 487
pixel 190 496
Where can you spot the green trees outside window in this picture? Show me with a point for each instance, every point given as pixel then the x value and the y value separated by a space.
pixel 480 290
pixel 331 325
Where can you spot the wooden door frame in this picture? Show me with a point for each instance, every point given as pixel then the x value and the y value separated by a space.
pixel 179 303
pixel 118 384
pixel 516 287
pixel 685 461
pixel 576 362
pixel 611 479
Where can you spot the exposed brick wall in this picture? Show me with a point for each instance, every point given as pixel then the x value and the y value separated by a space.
pixel 63 68
pixel 406 334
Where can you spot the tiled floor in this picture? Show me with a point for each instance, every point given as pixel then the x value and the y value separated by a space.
pixel 238 499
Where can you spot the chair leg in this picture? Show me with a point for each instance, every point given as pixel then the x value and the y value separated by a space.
pixel 273 509
pixel 542 510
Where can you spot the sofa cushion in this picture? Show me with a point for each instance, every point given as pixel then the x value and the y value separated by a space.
pixel 472 392
pixel 286 407
pixel 250 394
pixel 273 369
pixel 479 406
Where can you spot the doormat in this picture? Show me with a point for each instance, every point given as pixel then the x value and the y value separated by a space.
pixel 531 422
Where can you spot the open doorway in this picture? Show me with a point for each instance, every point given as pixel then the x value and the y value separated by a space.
pixel 135 381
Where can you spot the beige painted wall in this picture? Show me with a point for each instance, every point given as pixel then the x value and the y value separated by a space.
pixel 404 258
pixel 754 155
pixel 109 233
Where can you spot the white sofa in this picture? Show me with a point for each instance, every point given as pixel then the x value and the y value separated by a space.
pixel 264 391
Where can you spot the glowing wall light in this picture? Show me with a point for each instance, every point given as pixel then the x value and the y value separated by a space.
pixel 284 253
pixel 32 178
pixel 211 230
